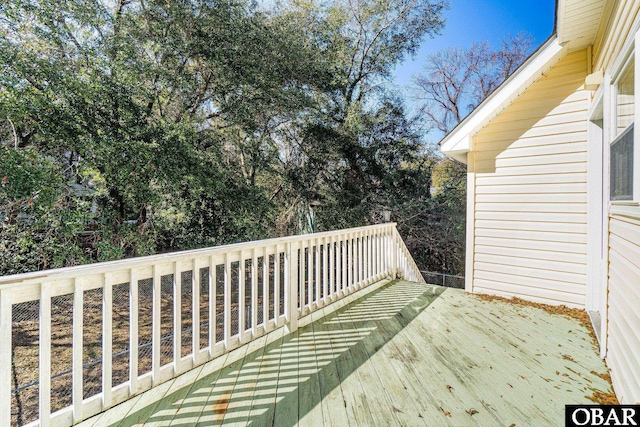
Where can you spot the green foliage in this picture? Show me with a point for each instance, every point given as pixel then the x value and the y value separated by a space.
pixel 434 227
pixel 28 176
pixel 40 221
pixel 132 128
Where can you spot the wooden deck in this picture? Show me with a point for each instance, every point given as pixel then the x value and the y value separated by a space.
pixel 404 354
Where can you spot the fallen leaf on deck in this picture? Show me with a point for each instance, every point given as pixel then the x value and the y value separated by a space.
pixel 447 413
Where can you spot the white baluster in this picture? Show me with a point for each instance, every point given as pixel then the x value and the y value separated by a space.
pixel 107 342
pixel 155 339
pixel 133 332
pixel 177 317
pixel 195 311
pixel 5 355
pixel 45 354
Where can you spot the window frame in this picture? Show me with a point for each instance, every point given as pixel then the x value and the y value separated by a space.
pixel 612 170
pixel 629 54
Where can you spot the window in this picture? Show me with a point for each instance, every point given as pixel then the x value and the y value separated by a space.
pixel 622 166
pixel 622 146
pixel 625 101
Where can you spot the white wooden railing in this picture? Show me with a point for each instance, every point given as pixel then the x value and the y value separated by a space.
pixel 187 307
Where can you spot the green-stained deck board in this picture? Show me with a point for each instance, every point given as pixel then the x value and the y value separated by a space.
pixel 264 396
pixel 217 395
pixel 394 405
pixel 309 397
pixel 238 409
pixel 402 354
pixel 286 405
pixel 352 367
pixel 334 411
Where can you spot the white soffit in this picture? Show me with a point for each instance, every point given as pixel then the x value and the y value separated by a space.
pixel 458 142
pixel 577 22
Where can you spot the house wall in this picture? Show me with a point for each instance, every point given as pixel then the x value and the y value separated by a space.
pixel 618 19
pixel 530 194
pixel 623 328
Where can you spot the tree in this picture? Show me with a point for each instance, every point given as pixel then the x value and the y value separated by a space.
pixel 162 113
pixel 335 162
pixel 173 125
pixel 454 83
pixel 457 80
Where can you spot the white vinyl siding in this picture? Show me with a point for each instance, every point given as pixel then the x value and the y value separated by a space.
pixel 623 356
pixel 615 26
pixel 530 235
pixel 623 302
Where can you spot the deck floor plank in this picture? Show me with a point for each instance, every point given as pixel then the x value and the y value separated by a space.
pixel 494 365
pixel 153 402
pixel 239 408
pixel 384 305
pixel 356 375
pixel 192 405
pixel 403 354
pixel 334 411
pixel 309 395
pixel 453 394
pixel 178 390
pixel 286 407
pixel 406 358
pixel 219 392
pixel 484 377
pixel 264 398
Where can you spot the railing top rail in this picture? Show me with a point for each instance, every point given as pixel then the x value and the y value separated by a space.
pixel 103 267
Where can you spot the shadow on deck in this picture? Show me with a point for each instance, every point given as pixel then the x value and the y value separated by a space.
pixel 404 354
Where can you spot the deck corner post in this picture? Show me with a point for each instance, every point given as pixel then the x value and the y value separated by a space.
pixel 291 287
pixel 395 245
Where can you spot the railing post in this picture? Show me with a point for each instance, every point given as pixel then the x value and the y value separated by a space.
pixel 394 251
pixel 254 294
pixel 5 356
pixel 227 302
pixel 265 289
pixel 242 305
pixel 291 287
pixel 276 286
pixel 213 305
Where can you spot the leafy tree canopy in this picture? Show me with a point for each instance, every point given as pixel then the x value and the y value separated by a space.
pixel 132 127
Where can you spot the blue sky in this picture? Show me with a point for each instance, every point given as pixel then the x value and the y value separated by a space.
pixel 469 21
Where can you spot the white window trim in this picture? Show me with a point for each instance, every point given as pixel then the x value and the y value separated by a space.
pixel 626 207
pixel 598 213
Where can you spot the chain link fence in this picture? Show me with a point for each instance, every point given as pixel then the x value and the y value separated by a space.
pixel 26 329
pixel 441 279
